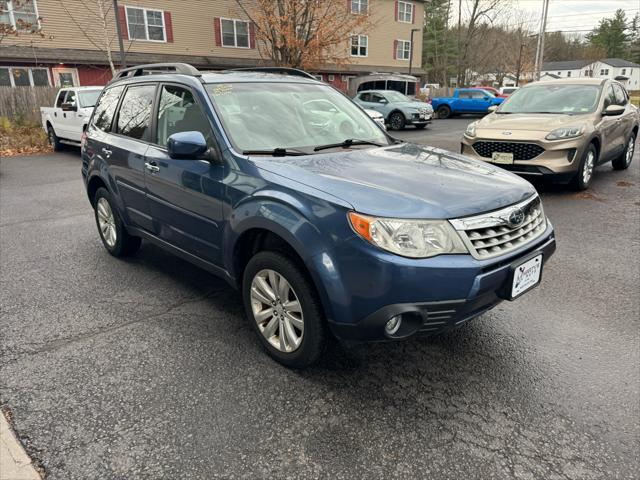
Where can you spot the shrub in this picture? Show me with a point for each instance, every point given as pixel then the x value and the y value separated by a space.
pixel 19 137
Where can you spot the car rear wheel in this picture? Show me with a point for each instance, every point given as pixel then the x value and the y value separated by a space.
pixel 624 160
pixel 113 233
pixel 396 121
pixel 54 141
pixel 282 305
pixel 444 111
pixel 583 177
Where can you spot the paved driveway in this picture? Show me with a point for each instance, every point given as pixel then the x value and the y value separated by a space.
pixel 146 368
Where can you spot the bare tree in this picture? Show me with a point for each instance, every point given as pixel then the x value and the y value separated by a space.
pixel 304 33
pixel 95 20
pixel 19 26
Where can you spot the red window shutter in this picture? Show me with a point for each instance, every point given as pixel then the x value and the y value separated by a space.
pixel 396 7
pixel 122 16
pixel 413 13
pixel 395 49
pixel 252 35
pixel 168 26
pixel 218 30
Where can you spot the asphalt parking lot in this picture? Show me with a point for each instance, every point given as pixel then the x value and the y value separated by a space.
pixel 146 368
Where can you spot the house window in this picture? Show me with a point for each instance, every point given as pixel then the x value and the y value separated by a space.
pixel 624 71
pixel 604 71
pixel 403 50
pixel 559 74
pixel 21 15
pixel 405 12
pixel 235 33
pixel 24 77
pixel 359 6
pixel 568 74
pixel 359 45
pixel 330 77
pixel 146 24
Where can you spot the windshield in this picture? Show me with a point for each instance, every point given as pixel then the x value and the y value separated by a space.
pixel 396 97
pixel 553 98
pixel 267 116
pixel 88 98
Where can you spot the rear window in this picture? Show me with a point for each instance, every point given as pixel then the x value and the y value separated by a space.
pixel 106 108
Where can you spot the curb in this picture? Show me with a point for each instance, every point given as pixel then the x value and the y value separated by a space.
pixel 15 464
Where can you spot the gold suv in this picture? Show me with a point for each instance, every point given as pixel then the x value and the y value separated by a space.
pixel 561 128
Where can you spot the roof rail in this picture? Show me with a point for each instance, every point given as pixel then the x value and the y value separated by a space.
pixel 139 70
pixel 279 70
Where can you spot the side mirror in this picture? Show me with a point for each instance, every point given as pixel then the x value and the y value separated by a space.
pixel 613 110
pixel 69 107
pixel 486 97
pixel 186 145
pixel 492 108
pixel 384 101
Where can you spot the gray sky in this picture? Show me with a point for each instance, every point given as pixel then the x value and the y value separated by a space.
pixel 569 14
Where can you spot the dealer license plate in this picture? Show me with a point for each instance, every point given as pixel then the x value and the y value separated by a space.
pixel 500 157
pixel 526 276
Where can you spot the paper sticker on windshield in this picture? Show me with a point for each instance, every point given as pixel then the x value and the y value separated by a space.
pixel 222 89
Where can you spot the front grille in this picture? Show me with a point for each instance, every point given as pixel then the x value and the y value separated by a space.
pixel 497 233
pixel 521 151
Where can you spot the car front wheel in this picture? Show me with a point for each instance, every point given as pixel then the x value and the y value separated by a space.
pixel 396 121
pixel 624 160
pixel 283 308
pixel 583 177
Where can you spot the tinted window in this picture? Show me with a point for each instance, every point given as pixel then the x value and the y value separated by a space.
pixel 60 99
pixel 365 97
pixel 621 98
pixel 411 88
pixel 396 85
pixel 366 86
pixel 106 108
pixel 179 112
pixel 134 117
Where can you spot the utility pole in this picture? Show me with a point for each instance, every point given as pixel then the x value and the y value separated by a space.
pixel 123 58
pixel 413 30
pixel 519 65
pixel 540 46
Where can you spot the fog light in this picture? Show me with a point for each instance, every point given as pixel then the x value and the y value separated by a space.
pixel 393 325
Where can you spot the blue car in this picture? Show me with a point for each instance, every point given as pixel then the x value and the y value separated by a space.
pixel 465 100
pixel 327 225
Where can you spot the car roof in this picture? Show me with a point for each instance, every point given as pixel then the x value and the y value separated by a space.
pixel 249 76
pixel 81 88
pixel 570 81
pixel 379 91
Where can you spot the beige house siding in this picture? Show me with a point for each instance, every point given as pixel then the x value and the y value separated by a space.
pixel 194 33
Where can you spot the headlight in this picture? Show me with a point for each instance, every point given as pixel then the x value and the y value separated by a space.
pixel 471 130
pixel 566 132
pixel 408 238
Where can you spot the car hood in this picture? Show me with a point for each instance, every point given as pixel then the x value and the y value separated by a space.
pixel 405 181
pixel 542 122
pixel 413 105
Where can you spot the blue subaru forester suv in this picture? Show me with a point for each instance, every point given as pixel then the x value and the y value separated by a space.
pixel 327 224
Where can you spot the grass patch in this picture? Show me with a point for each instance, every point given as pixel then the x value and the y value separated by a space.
pixel 20 137
pixel 635 101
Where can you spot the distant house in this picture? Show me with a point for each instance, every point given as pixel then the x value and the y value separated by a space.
pixel 564 69
pixel 613 68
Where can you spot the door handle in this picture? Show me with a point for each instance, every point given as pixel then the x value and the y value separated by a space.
pixel 64 115
pixel 107 152
pixel 152 167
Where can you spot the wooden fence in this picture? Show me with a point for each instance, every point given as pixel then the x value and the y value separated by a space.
pixel 23 103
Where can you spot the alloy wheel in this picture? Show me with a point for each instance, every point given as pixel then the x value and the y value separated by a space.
pixel 396 122
pixel 587 170
pixel 106 222
pixel 277 310
pixel 630 147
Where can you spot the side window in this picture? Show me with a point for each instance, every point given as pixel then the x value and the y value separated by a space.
pixel 621 98
pixel 365 97
pixel 134 117
pixel 375 98
pixel 179 112
pixel 464 94
pixel 610 97
pixel 478 94
pixel 60 99
pixel 71 97
pixel 106 108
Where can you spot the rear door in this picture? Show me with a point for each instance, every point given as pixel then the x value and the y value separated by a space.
pixel 626 120
pixel 56 114
pixel 186 195
pixel 69 116
pixel 125 153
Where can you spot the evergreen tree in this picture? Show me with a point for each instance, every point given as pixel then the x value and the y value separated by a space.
pixel 611 35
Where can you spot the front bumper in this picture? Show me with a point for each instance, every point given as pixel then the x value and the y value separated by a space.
pixel 417 120
pixel 560 158
pixel 441 294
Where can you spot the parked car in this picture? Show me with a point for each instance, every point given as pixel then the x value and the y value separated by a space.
pixel 398 109
pixel 464 100
pixel 560 129
pixel 356 234
pixel 494 91
pixel 377 117
pixel 506 91
pixel 67 119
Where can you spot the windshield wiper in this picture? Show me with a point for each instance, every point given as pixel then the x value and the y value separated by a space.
pixel 276 152
pixel 349 142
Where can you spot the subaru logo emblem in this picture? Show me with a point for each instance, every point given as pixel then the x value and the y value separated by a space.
pixel 516 218
pixel 506 133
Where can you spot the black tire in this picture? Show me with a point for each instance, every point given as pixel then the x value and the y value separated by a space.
pixel 582 181
pixel 396 121
pixel 421 127
pixel 443 111
pixel 624 160
pixel 125 244
pixel 314 337
pixel 54 141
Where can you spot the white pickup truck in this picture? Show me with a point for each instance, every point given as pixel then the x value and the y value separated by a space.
pixel 66 121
